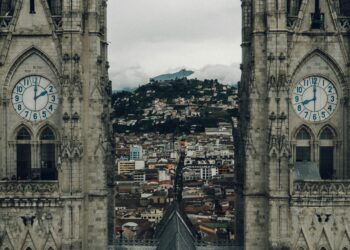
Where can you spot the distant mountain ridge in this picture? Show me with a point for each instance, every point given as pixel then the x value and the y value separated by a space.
pixel 173 76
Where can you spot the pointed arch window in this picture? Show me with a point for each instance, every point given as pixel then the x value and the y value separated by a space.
pixel 327 134
pixel 47 134
pixel 303 134
pixel 48 154
pixel 23 134
pixel 23 154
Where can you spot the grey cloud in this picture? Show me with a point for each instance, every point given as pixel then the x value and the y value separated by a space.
pixel 129 77
pixel 226 74
pixel 159 35
pixel 134 76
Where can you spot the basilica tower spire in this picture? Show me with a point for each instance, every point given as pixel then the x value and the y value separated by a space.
pixel 55 135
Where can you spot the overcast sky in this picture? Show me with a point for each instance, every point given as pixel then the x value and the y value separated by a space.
pixel 152 37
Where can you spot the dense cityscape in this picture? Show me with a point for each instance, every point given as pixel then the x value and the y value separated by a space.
pixel 147 164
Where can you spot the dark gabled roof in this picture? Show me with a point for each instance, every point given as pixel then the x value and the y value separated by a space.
pixel 175 231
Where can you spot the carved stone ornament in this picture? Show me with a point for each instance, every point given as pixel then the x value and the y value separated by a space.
pixel 72 84
pixel 72 149
pixel 28 187
pixel 279 146
pixel 322 188
pixel 104 146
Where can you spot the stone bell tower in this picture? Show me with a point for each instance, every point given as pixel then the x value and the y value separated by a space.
pixel 56 189
pixel 293 149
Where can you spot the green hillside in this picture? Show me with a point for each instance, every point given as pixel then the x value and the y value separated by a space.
pixel 179 105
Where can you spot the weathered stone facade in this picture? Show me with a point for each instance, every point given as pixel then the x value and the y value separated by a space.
pixel 285 41
pixel 64 41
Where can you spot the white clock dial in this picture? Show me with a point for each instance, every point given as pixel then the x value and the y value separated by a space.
pixel 314 98
pixel 35 98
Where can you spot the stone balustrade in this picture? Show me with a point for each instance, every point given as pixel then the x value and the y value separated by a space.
pixel 28 188
pixel 318 192
pixel 29 194
pixel 5 22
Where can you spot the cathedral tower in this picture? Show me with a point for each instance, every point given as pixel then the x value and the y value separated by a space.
pixel 293 163
pixel 56 151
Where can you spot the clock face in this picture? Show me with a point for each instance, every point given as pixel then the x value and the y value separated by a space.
pixel 314 98
pixel 35 98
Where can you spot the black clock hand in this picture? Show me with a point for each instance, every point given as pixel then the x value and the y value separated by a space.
pixel 35 91
pixel 314 90
pixel 41 94
pixel 308 101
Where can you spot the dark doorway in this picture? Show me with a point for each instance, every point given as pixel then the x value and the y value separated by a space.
pixel 23 161
pixel 303 154
pixel 47 164
pixel 326 162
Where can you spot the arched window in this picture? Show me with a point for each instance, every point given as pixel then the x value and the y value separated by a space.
pixel 326 152
pixel 327 134
pixel 23 134
pixel 303 148
pixel 28 248
pixel 47 134
pixel 24 154
pixel 48 155
pixel 301 248
pixel 344 248
pixel 303 134
pixel 323 248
